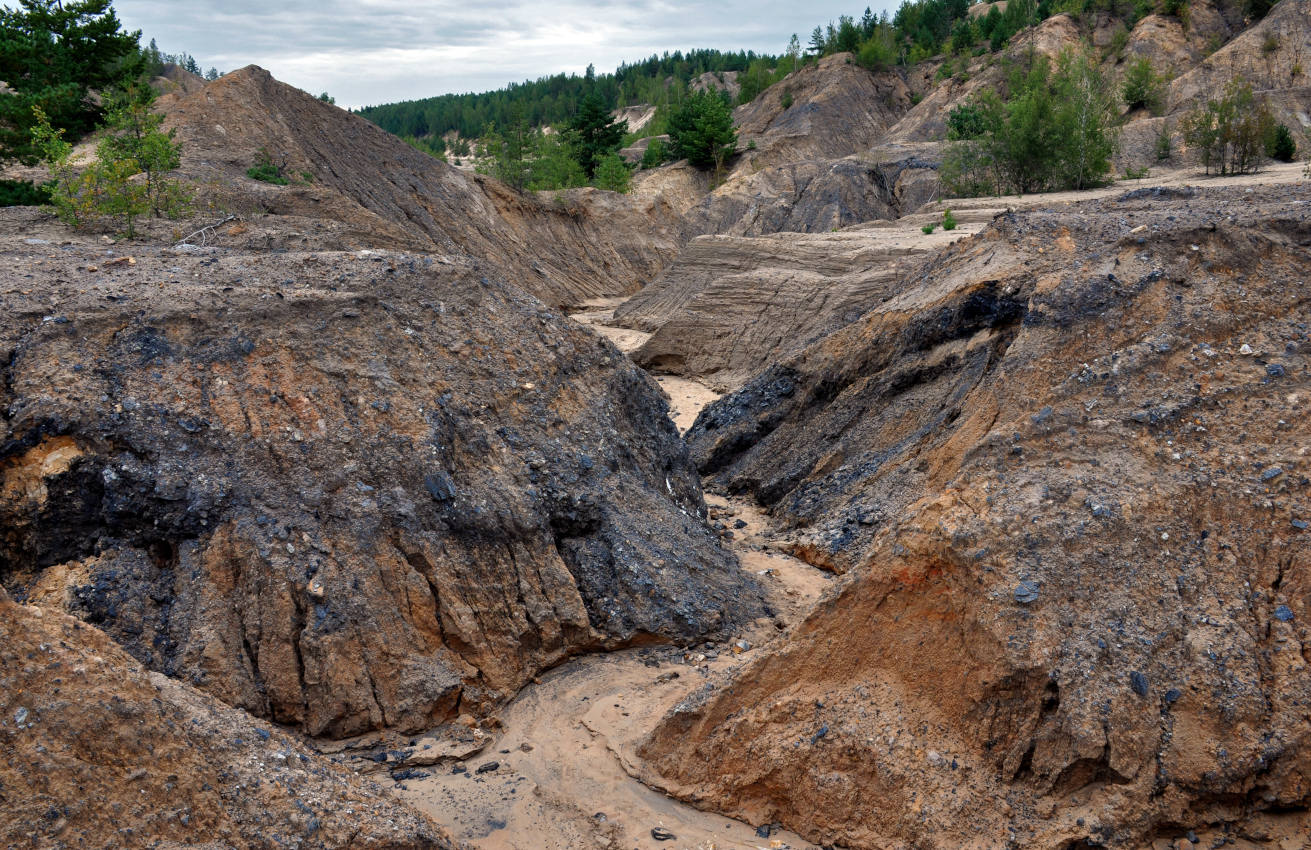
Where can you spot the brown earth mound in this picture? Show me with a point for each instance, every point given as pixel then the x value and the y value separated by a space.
pixel 1068 474
pixel 343 491
pixel 100 753
pixel 587 244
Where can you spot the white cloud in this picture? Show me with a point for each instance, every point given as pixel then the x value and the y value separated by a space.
pixel 376 51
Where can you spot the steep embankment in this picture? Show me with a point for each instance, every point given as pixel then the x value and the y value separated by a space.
pixel 387 194
pixel 1067 472
pixel 100 753
pixel 343 491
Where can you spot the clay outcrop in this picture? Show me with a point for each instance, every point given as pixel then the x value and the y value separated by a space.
pixel 101 753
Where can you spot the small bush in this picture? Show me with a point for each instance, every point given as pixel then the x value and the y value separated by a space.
pixel 612 174
pixel 786 100
pixel 1163 148
pixel 23 193
pixel 928 228
pixel 656 153
pixel 1142 87
pixel 266 171
pixel 948 221
pixel 1279 144
pixel 1270 45
pixel 1136 173
pixel 751 145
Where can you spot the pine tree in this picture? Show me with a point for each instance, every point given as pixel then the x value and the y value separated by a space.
pixel 702 131
pixel 593 134
pixel 53 54
pixel 613 174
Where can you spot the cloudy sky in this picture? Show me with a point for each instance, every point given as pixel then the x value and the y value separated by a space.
pixel 376 51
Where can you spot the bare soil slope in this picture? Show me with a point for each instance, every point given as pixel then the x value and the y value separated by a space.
pixel 730 305
pixel 591 244
pixel 1067 473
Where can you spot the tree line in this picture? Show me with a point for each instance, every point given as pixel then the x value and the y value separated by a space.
pixel 553 100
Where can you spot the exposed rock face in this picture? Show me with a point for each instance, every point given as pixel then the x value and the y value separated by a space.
pixel 100 753
pixel 729 305
pixel 1273 56
pixel 391 195
pixel 837 108
pixel 818 196
pixel 1071 491
pixel 340 491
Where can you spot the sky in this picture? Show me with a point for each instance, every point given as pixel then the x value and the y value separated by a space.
pixel 378 51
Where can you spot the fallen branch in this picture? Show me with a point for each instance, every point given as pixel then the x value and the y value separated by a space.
pixel 205 232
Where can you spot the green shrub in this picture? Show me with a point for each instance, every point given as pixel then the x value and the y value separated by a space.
pixel 656 153
pixel 786 100
pixel 1142 87
pixel 107 189
pixel 1229 133
pixel 1279 144
pixel 928 228
pixel 1053 131
pixel 1163 148
pixel 948 221
pixel 612 174
pixel 23 193
pixel 265 170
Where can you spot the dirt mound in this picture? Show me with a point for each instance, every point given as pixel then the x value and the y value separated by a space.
pixel 1067 472
pixel 100 753
pixel 585 244
pixel 343 491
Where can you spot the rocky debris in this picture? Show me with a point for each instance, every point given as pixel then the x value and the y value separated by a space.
pixel 730 304
pixel 344 491
pixel 1064 623
pixel 563 248
pixel 101 753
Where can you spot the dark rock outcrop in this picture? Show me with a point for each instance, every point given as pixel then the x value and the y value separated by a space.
pixel 342 491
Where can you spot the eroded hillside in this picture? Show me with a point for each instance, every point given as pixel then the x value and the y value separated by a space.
pixel 1065 472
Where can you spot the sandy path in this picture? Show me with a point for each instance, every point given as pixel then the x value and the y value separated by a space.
pixel 566 746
